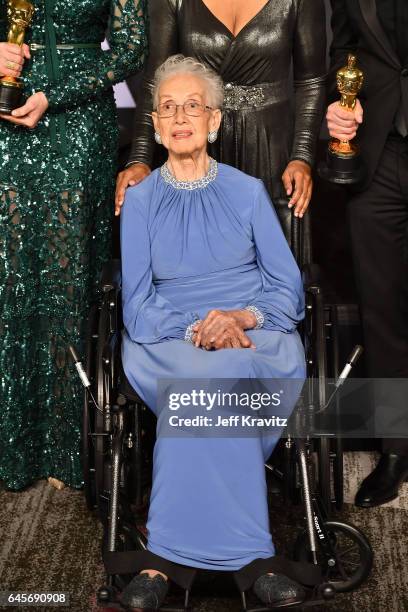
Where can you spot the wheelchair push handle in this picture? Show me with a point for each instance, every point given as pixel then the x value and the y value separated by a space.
pixel 74 354
pixel 79 367
pixel 355 355
pixel 351 362
pixel 83 376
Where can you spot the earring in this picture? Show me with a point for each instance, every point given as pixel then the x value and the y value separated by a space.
pixel 212 136
pixel 157 138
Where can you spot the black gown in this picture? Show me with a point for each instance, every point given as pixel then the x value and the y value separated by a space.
pixel 280 52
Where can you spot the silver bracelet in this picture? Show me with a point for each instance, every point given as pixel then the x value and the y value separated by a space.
pixel 188 336
pixel 258 315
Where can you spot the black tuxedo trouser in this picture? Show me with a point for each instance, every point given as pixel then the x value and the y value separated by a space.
pixel 378 220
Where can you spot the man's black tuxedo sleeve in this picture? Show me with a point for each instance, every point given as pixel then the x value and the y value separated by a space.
pixel 345 41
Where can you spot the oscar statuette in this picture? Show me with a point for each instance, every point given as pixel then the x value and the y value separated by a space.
pixel 343 164
pixel 19 13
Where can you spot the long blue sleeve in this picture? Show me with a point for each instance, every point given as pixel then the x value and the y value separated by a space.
pixel 147 316
pixel 282 298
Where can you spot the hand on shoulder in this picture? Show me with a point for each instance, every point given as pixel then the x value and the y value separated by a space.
pixel 130 176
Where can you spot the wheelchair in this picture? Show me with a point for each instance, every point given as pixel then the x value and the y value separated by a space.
pixel 117 440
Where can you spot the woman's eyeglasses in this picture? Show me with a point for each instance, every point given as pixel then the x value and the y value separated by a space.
pixel 190 108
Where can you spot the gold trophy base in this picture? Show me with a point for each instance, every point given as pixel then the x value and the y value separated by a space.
pixel 11 96
pixel 343 148
pixel 343 164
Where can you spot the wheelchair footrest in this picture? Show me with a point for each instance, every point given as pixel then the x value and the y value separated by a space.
pixel 307 574
pixel 131 562
pixel 317 596
pixel 108 601
pixel 113 606
pixel 290 606
pixel 173 609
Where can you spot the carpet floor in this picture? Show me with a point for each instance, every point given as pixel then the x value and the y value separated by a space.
pixel 50 542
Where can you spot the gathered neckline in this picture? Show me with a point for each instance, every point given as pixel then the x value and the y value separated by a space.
pixel 169 178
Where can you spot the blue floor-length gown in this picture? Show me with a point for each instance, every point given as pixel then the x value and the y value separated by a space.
pixel 188 248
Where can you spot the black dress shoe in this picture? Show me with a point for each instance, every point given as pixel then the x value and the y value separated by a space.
pixel 145 593
pixel 275 589
pixel 383 483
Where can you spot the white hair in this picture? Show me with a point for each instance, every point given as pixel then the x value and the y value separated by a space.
pixel 179 64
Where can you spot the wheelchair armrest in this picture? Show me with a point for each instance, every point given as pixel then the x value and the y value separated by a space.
pixel 292 226
pixel 111 277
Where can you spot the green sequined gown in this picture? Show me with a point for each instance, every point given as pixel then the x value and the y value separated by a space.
pixel 56 207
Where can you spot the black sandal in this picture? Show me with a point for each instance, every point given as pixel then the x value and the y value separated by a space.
pixel 273 589
pixel 145 592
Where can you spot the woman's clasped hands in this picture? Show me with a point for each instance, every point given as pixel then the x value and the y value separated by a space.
pixel 224 329
pixel 12 58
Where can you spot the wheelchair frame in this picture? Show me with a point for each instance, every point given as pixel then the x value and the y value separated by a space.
pixel 113 457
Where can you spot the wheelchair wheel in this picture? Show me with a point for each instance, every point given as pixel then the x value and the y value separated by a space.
pixel 329 467
pixel 95 448
pixel 337 444
pixel 88 417
pixel 326 478
pixel 337 471
pixel 291 483
pixel 102 395
pixel 324 473
pixel 350 548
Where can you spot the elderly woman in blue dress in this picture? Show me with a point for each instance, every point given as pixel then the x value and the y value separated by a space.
pixel 210 290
